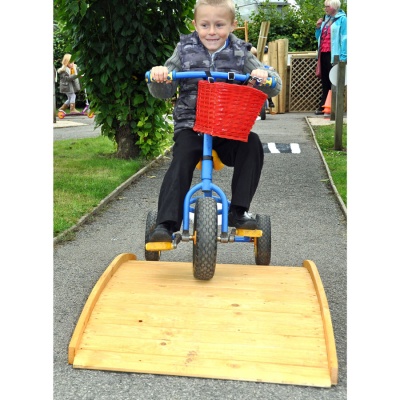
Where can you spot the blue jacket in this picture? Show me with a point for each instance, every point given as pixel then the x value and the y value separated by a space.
pixel 338 35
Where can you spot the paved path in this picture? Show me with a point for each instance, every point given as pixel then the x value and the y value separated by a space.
pixel 307 223
pixel 78 127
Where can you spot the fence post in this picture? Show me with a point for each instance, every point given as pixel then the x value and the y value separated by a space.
pixel 341 76
pixel 262 39
pixel 334 91
pixel 54 95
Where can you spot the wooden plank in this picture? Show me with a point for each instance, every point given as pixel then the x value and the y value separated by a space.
pixel 212 303
pixel 297 288
pixel 294 285
pixel 158 316
pixel 194 366
pixel 281 351
pixel 185 300
pixel 247 323
pixel 339 108
pixel 225 275
pixel 326 319
pixel 96 332
pixel 262 39
pixel 283 48
pixel 90 303
pixel 273 62
pixel 244 28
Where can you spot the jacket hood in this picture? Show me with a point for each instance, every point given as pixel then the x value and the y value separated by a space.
pixel 339 14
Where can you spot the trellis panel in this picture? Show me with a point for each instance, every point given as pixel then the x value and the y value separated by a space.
pixel 304 86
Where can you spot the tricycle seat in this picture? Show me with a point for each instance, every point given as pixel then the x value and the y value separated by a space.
pixel 217 163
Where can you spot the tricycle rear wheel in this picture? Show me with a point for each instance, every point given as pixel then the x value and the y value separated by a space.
pixel 151 223
pixel 205 232
pixel 263 111
pixel 262 245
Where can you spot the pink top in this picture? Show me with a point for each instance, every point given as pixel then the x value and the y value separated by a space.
pixel 326 39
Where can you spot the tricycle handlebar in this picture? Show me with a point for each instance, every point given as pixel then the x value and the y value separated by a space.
pixel 230 76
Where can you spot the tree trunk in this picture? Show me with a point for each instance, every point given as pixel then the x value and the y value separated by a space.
pixel 126 148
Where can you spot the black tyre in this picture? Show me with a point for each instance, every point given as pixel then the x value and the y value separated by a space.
pixel 263 111
pixel 262 245
pixel 205 230
pixel 150 226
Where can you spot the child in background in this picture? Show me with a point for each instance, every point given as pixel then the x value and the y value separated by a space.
pixel 69 83
pixel 213 47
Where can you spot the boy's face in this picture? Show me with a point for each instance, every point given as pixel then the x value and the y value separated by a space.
pixel 213 24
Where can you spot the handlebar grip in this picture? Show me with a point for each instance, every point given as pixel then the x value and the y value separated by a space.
pixel 271 82
pixel 171 76
pixel 149 78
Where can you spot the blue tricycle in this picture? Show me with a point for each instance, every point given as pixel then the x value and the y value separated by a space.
pixel 206 200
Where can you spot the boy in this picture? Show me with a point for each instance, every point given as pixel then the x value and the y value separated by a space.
pixel 211 47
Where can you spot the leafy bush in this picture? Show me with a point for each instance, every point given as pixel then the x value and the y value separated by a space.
pixel 115 42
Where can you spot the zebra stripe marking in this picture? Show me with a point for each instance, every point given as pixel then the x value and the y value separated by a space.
pixel 281 148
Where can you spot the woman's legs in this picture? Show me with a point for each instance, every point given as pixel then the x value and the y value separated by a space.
pixel 326 67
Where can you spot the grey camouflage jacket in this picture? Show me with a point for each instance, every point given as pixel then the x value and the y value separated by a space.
pixel 69 83
pixel 191 55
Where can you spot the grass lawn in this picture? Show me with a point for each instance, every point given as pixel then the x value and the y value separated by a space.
pixel 335 159
pixel 85 171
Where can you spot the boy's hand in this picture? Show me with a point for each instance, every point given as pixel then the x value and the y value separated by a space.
pixel 260 73
pixel 159 74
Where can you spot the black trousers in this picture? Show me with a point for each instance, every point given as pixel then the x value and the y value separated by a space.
pixel 247 159
pixel 326 67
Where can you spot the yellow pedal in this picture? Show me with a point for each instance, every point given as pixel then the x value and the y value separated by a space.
pixel 159 246
pixel 249 232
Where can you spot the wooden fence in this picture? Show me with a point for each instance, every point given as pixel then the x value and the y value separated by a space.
pixel 302 88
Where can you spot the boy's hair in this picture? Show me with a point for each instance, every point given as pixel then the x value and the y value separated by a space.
pixel 223 3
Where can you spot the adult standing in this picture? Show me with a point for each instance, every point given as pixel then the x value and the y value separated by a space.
pixel 331 34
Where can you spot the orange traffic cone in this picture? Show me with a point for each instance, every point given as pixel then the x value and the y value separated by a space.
pixel 327 105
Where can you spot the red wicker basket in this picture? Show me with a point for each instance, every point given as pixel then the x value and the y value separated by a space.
pixel 227 110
